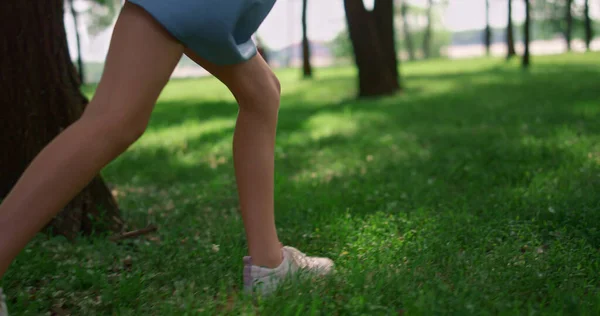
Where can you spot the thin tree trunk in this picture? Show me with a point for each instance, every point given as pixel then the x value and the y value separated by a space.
pixel 371 43
pixel 79 55
pixel 406 28
pixel 39 93
pixel 589 32
pixel 569 26
pixel 427 36
pixel 307 67
pixel 488 31
pixel 526 58
pixel 510 39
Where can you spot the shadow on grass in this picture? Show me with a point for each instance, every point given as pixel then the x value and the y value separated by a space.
pixel 425 200
pixel 489 144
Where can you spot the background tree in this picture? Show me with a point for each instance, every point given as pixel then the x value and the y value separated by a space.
pixel 373 42
pixel 589 33
pixel 569 23
pixel 307 67
pixel 564 17
pixel 406 28
pixel 101 14
pixel 427 35
pixel 527 31
pixel 510 38
pixel 80 67
pixel 488 29
pixel 341 47
pixel 40 96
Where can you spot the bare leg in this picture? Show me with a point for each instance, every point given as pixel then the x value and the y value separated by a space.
pixel 141 58
pixel 257 91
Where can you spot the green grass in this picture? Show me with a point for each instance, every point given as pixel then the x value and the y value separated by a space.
pixel 474 192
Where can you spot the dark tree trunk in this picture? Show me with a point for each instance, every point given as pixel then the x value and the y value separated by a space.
pixel 372 37
pixel 307 67
pixel 383 13
pixel 569 24
pixel 488 30
pixel 510 39
pixel 406 28
pixel 527 31
pixel 79 55
pixel 427 36
pixel 40 97
pixel 589 33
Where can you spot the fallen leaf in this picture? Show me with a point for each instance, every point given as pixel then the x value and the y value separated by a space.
pixel 128 262
pixel 170 205
pixel 59 311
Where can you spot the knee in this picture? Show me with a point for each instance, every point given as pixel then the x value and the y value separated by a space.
pixel 277 86
pixel 125 130
pixel 119 130
pixel 261 95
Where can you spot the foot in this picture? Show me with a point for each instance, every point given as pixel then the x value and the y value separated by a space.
pixel 3 309
pixel 265 280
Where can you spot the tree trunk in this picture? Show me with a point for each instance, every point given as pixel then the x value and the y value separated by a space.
pixel 569 26
pixel 407 36
pixel 427 36
pixel 510 39
pixel 488 30
pixel 79 55
pixel 372 37
pixel 383 14
pixel 40 96
pixel 526 27
pixel 307 67
pixel 589 33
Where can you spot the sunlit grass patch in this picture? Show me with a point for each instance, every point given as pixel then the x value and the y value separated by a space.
pixel 474 191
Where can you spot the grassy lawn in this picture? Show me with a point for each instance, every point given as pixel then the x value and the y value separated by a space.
pixel 476 191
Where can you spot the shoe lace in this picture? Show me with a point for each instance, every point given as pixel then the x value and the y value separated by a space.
pixel 301 259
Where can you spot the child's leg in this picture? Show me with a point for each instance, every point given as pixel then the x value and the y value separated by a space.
pixel 257 91
pixel 140 61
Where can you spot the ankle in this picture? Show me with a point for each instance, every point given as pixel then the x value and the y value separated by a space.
pixel 268 263
pixel 269 260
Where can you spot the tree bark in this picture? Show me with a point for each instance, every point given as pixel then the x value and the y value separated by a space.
pixel 406 28
pixel 372 37
pixel 526 58
pixel 488 30
pixel 40 97
pixel 569 24
pixel 307 67
pixel 79 55
pixel 383 14
pixel 427 36
pixel 510 39
pixel 589 33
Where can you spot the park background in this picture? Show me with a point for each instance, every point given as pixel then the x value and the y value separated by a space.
pixel 464 183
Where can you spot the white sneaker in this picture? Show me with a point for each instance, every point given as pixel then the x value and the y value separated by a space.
pixel 3 308
pixel 265 280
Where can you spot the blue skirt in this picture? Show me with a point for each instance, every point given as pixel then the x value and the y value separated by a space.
pixel 220 31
